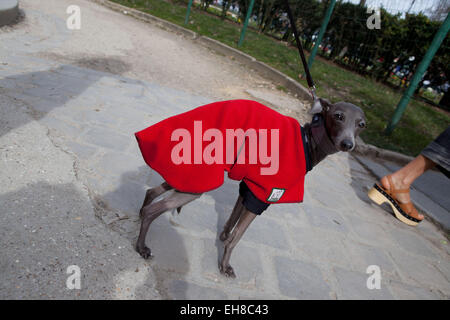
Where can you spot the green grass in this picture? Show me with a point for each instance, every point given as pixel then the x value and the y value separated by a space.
pixel 419 125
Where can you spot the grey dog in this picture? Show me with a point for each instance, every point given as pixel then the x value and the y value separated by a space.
pixel 333 128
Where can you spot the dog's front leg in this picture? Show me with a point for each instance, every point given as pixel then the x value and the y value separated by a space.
pixel 231 222
pixel 246 217
pixel 154 210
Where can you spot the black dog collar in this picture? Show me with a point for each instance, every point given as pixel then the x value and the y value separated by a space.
pixel 320 135
pixel 321 144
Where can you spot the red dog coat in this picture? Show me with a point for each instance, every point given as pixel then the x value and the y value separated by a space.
pixel 194 158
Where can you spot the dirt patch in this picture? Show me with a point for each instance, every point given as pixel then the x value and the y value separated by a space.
pixel 11 26
pixel 110 64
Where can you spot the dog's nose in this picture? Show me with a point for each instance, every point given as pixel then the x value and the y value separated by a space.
pixel 346 145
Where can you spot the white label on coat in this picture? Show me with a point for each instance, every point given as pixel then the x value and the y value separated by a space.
pixel 275 195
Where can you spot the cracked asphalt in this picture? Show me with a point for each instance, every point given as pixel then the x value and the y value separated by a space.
pixel 73 180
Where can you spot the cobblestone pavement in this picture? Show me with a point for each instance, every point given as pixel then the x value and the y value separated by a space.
pixel 73 181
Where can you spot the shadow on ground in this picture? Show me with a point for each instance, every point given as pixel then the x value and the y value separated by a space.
pixel 46 228
pixel 361 182
pixel 119 209
pixel 50 89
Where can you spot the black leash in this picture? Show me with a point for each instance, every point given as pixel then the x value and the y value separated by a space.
pixel 312 87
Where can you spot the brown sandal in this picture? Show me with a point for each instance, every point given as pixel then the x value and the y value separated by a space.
pixel 405 212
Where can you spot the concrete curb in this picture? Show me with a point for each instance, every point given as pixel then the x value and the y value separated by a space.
pixel 373 152
pixel 280 77
pixel 147 18
pixel 9 11
pixel 262 68
pixel 226 50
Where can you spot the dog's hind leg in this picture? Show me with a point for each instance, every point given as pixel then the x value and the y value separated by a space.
pixel 153 193
pixel 232 220
pixel 154 210
pixel 246 217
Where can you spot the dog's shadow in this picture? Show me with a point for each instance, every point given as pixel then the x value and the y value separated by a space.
pixel 121 213
pixel 172 237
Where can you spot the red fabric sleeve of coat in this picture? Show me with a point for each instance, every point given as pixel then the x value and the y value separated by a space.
pixel 284 181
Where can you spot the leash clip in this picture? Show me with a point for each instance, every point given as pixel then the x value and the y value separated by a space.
pixel 312 90
pixel 316 105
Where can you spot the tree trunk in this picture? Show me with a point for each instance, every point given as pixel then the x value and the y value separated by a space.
pixel 261 15
pixel 268 16
pixel 225 7
pixel 445 100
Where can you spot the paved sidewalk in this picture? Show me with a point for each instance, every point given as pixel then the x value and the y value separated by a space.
pixel 73 181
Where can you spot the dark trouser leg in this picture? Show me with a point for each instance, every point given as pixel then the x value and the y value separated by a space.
pixel 246 217
pixel 154 210
pixel 438 151
pixel 232 220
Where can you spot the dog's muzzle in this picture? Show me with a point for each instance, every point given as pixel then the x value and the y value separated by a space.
pixel 346 145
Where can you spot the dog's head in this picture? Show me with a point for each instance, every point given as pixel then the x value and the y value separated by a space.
pixel 343 121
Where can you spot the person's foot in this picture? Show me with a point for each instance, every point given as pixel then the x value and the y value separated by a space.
pixel 398 184
pixel 401 197
pixel 396 194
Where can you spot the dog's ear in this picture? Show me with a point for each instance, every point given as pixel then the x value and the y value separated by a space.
pixel 320 105
pixel 316 107
pixel 326 104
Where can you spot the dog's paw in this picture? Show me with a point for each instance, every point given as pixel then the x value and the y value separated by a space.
pixel 227 271
pixel 145 252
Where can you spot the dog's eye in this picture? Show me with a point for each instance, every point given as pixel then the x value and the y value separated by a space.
pixel 362 125
pixel 339 116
